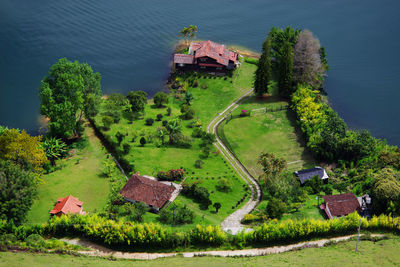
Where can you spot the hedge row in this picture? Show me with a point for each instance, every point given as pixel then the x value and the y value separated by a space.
pixel 114 148
pixel 140 236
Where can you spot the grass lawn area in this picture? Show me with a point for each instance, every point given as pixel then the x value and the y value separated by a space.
pixel 380 253
pixel 154 157
pixel 80 176
pixel 273 132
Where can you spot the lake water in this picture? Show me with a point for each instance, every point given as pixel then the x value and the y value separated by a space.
pixel 130 44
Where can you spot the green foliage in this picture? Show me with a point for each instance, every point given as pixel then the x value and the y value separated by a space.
pixel 224 185
pixel 54 149
pixel 217 206
pixel 138 101
pixel 187 112
pixel 116 105
pixel 169 111
pixel 198 193
pixel 107 121
pixel 159 117
pixel 119 137
pixel 176 214
pixel 285 68
pixel 149 121
pixel 275 208
pixel 188 98
pixel 143 141
pixel 315 183
pixel 263 74
pixel 70 90
pixel 271 165
pixel 23 149
pixel 199 164
pixel 160 99
pixel 18 189
pixel 385 189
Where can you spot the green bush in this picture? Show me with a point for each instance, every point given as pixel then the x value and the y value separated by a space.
pixel 107 121
pixel 159 117
pixel 224 185
pixel 176 214
pixel 149 121
pixel 199 164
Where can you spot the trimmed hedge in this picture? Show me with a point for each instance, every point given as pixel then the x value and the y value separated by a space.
pixel 136 235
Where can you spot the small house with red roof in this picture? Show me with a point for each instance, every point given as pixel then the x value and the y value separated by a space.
pixel 67 205
pixel 207 56
pixel 149 191
pixel 336 206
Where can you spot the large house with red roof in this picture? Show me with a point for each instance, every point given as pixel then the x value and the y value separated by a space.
pixel 67 205
pixel 207 56
pixel 340 205
pixel 149 191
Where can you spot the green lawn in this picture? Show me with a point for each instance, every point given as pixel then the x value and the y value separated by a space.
pixel 152 158
pixel 273 132
pixel 380 253
pixel 80 177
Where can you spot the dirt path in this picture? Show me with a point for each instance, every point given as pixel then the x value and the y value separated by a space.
pixel 97 250
pixel 233 222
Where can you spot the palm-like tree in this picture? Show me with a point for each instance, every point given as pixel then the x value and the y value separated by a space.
pixel 192 31
pixel 54 149
pixel 185 33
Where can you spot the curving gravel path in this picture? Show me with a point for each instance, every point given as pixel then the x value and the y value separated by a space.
pixel 233 222
pixel 100 251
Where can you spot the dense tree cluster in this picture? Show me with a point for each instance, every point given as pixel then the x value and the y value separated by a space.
pixel 70 91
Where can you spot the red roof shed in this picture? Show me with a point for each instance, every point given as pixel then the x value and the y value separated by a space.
pixel 67 205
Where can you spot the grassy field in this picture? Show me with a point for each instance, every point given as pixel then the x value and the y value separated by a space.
pixel 380 253
pixel 153 157
pixel 273 132
pixel 80 176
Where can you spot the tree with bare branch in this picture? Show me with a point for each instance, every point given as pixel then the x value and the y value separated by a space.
pixel 307 65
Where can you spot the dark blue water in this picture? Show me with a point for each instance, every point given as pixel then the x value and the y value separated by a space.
pixel 130 44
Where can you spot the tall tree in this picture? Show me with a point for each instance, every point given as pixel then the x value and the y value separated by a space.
pixel 272 166
pixel 192 31
pixel 285 68
pixel 307 65
pixel 70 90
pixel 263 73
pixel 18 189
pixel 22 149
pixel 138 100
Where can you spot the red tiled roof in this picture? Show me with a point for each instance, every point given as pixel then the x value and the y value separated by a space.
pixel 66 205
pixel 340 205
pixel 146 190
pixel 183 59
pixel 215 51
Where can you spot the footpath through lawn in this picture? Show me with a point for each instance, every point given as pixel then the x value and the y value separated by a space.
pixel 79 175
pixel 211 96
pixel 380 253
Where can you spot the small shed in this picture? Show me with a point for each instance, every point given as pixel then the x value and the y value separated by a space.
pixel 67 205
pixel 307 174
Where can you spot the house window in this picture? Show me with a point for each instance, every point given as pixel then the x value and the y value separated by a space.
pixel 202 67
pixel 219 68
pixel 202 59
pixel 181 65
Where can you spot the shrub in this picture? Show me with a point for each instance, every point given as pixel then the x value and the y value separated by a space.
pixel 198 133
pixel 160 99
pixel 107 121
pixel 224 185
pixel 181 140
pixel 195 84
pixel 126 148
pixel 198 193
pixel 171 175
pixel 143 141
pixel 204 86
pixel 187 112
pixel 159 117
pixel 169 111
pixel 199 164
pixel 176 214
pixel 164 123
pixel 149 121
pixel 119 137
